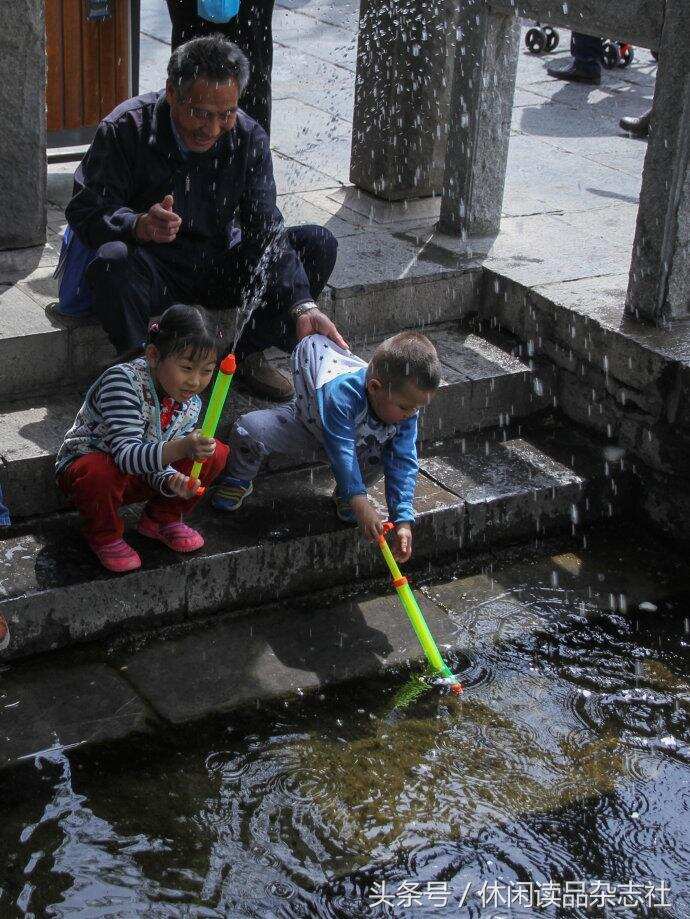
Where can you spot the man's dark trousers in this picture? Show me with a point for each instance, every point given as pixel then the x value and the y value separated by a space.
pixel 132 283
pixel 587 51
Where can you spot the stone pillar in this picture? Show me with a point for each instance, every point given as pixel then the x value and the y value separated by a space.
pixel 659 286
pixel 22 124
pixel 402 91
pixel 481 103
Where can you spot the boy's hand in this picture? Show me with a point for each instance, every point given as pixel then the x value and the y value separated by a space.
pixel 402 542
pixel 179 485
pixel 198 447
pixel 367 516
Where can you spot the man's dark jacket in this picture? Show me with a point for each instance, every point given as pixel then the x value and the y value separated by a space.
pixel 135 160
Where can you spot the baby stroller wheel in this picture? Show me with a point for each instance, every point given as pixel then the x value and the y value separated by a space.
pixel 552 38
pixel 627 55
pixel 611 55
pixel 535 40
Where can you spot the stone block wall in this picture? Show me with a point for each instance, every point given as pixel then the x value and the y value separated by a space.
pixel 22 104
pixel 627 383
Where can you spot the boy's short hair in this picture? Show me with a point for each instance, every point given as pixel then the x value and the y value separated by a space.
pixel 408 357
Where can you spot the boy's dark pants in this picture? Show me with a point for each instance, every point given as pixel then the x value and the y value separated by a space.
pixel 98 489
pixel 132 283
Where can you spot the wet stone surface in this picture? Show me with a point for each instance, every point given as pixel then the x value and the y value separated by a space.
pixel 573 725
pixel 287 541
pixel 65 706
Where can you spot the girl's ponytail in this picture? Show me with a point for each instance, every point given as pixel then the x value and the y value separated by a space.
pixel 181 327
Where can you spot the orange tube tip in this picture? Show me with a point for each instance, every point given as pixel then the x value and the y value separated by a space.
pixel 228 364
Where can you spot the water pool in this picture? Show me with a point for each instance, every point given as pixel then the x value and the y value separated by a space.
pixel 557 785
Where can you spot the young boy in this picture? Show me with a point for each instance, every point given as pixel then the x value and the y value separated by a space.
pixel 361 418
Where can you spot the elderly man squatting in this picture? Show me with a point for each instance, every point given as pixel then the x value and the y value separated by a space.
pixel 177 195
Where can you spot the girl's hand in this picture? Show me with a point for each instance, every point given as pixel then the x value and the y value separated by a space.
pixel 402 542
pixel 367 516
pixel 198 448
pixel 179 485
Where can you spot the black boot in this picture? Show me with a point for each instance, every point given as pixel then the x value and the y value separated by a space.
pixel 639 127
pixel 574 73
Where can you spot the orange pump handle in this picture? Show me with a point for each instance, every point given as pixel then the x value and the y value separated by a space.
pixel 387 527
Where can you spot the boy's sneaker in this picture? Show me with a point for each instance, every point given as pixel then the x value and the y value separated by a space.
pixel 176 536
pixel 230 493
pixel 344 511
pixel 117 556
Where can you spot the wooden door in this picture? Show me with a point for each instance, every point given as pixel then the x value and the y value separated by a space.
pixel 89 65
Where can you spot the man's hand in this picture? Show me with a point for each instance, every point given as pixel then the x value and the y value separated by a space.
pixel 402 542
pixel 315 322
pixel 160 224
pixel 179 485
pixel 197 447
pixel 367 516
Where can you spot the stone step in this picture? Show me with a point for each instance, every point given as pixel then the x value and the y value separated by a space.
pixel 474 493
pixel 297 649
pixel 39 356
pixel 483 386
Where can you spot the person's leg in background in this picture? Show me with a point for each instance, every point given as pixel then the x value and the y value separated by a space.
pixel 640 127
pixel 251 29
pixel 185 22
pixel 586 64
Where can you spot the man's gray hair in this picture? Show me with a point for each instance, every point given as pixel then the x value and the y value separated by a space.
pixel 211 57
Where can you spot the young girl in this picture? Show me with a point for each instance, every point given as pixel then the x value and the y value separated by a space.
pixel 134 439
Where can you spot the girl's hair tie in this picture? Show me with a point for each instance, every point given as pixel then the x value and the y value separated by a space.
pixel 220 334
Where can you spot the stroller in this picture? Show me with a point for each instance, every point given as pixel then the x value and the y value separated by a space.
pixel 545 39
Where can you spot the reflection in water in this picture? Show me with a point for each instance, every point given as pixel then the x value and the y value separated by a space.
pixel 567 759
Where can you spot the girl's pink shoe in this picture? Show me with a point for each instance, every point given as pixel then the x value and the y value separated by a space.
pixel 117 556
pixel 177 535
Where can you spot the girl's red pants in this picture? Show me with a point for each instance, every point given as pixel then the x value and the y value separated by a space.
pixel 98 489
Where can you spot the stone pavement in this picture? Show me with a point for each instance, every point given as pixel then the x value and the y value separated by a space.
pixel 573 176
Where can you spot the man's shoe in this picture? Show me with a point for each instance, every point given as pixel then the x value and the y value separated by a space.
pixel 262 379
pixel 575 74
pixel 637 126
pixel 230 493
pixel 53 313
